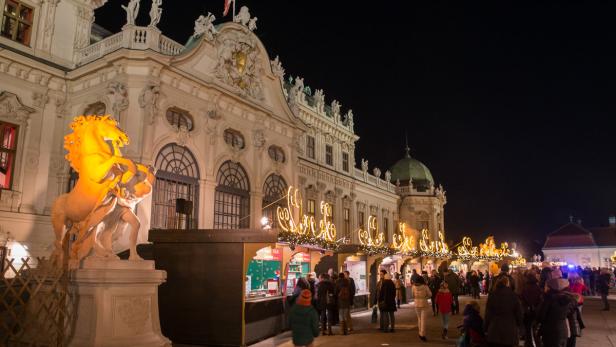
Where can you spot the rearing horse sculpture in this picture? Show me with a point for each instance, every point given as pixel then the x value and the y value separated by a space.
pixel 108 188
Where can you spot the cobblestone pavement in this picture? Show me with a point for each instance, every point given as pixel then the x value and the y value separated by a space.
pixel 600 330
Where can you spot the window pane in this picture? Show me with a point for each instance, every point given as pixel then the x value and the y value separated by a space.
pixel 23 33
pixel 25 14
pixel 8 27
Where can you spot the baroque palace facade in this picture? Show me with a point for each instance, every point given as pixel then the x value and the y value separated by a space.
pixel 226 130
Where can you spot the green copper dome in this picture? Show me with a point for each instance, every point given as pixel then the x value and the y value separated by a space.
pixel 409 168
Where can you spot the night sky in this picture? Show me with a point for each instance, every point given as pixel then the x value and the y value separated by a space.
pixel 510 104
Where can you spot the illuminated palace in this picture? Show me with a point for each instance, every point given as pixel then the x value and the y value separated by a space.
pixel 218 118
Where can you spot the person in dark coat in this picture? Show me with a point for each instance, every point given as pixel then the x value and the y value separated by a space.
pixel 454 283
pixel 503 315
pixel 303 320
pixel 343 296
pixel 553 311
pixel 326 302
pixel 531 298
pixel 353 292
pixel 386 301
pixel 474 283
pixel 603 288
pixel 434 283
pixel 504 273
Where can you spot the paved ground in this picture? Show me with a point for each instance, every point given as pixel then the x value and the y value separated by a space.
pixel 600 330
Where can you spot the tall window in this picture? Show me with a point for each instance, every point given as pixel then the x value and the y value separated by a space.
pixel 234 138
pixel 179 118
pixel 345 161
pixel 8 136
pixel 329 155
pixel 347 222
pixel 310 208
pixel 310 147
pixel 360 219
pixel 177 179
pixel 422 220
pixel 274 191
pixel 232 198
pixel 17 22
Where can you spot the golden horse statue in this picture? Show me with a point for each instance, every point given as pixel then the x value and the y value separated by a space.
pixel 104 197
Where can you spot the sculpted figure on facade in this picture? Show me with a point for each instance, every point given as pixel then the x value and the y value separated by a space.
pixel 277 68
pixel 103 200
pixel 118 96
pixel 147 100
pixel 336 109
pixel 298 89
pixel 204 25
pixel 348 119
pixel 388 176
pixel 258 138
pixel 85 18
pixel 252 24
pixel 132 10
pixel 155 13
pixel 243 17
pixel 377 172
pixel 319 100
pixel 364 165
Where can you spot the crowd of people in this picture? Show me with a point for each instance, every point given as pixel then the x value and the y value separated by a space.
pixel 541 306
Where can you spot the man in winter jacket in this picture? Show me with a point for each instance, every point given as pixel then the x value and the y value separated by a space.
pixel 386 301
pixel 603 287
pixel 343 295
pixel 353 290
pixel 326 301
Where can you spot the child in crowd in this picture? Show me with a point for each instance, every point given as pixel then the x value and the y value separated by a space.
pixel 444 299
pixel 303 320
pixel 473 326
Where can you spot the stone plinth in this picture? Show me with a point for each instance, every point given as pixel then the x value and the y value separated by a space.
pixel 117 304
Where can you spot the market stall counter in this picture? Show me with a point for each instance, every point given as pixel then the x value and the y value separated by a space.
pixel 223 286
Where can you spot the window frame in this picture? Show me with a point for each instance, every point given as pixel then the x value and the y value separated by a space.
pixel 310 147
pixel 227 194
pixel 329 155
pixel 346 221
pixel 178 115
pixel 31 23
pixel 232 138
pixel 311 207
pixel 11 153
pixel 276 153
pixel 345 161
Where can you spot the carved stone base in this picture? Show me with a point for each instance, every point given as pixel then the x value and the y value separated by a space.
pixel 117 304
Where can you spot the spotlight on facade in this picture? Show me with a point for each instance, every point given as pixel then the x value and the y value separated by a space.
pixel 265 223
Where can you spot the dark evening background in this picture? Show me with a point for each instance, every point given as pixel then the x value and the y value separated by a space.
pixel 509 103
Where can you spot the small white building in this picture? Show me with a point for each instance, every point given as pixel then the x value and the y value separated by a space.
pixel 576 245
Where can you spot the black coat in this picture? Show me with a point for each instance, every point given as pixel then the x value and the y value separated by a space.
pixel 326 289
pixel 552 315
pixel 386 296
pixel 503 317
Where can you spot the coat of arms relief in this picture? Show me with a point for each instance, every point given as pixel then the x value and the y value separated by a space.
pixel 238 62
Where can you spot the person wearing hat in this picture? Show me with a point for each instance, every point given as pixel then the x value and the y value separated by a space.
pixel 503 315
pixel 504 273
pixel 552 313
pixel 303 320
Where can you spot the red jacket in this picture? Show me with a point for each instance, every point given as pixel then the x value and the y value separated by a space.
pixel 444 301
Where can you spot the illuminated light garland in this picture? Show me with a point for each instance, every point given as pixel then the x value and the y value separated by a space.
pixel 433 248
pixel 402 243
pixel 366 236
pixel 466 249
pixel 488 249
pixel 305 232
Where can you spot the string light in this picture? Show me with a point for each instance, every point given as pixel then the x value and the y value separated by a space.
pixel 305 232
pixel 402 243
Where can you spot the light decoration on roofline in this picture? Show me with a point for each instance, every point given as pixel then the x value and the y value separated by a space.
pixel 436 248
pixel 305 232
pixel 403 244
pixel 466 251
pixel 488 250
pixel 371 240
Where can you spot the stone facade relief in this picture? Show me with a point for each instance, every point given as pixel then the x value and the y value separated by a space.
pixel 204 25
pixel 148 101
pixel 118 96
pixel 277 68
pixel 238 59
pixel 319 101
pixel 132 10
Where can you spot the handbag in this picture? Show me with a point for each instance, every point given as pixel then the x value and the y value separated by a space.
pixel 375 314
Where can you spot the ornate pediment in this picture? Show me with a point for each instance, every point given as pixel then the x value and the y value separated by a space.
pixel 239 61
pixel 11 108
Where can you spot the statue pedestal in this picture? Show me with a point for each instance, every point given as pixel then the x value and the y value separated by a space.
pixel 117 304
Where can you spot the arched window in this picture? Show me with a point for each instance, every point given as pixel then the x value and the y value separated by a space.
pixel 276 153
pixel 177 178
pixel 97 108
pixel 232 198
pixel 178 118
pixel 274 191
pixel 234 138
